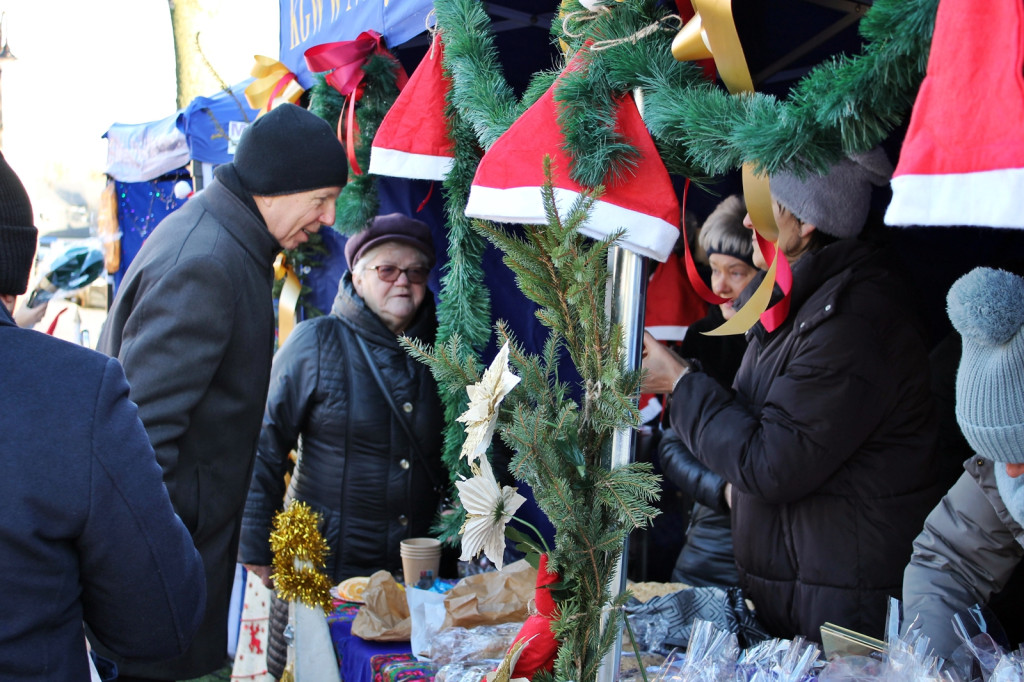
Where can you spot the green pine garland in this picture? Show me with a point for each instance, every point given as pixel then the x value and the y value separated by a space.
pixel 848 104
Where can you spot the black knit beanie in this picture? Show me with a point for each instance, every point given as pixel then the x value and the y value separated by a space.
pixel 17 234
pixel 289 150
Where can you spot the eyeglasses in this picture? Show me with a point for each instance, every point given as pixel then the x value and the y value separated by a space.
pixel 389 273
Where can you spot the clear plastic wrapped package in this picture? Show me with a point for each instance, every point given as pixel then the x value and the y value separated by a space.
pixel 466 645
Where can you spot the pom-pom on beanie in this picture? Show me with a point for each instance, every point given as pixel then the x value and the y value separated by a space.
pixel 838 202
pixel 17 233
pixel 289 150
pixel 393 227
pixel 986 307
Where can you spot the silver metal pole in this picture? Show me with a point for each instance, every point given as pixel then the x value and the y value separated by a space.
pixel 627 290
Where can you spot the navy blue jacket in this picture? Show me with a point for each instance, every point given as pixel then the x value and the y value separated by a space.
pixel 87 532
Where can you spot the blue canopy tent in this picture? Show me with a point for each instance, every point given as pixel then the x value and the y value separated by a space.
pixel 144 161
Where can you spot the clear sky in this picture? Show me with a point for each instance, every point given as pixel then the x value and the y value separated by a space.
pixel 83 65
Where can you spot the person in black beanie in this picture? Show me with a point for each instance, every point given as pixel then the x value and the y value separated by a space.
pixel 193 324
pixel 17 245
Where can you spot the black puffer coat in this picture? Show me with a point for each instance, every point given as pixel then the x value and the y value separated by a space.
pixel 828 443
pixel 707 558
pixel 356 466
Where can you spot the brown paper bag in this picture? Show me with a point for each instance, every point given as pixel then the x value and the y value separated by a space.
pixel 384 617
pixel 491 598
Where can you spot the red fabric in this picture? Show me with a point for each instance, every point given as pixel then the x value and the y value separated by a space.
pixel 416 122
pixel 53 323
pixel 642 201
pixel 344 61
pixel 969 112
pixel 540 653
pixel 671 299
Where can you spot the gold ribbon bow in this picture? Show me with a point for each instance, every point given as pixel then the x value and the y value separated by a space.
pixel 274 84
pixel 711 33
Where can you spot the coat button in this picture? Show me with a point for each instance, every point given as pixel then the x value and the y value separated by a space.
pixel 404 464
pixel 828 307
pixel 803 324
pixel 407 407
pixel 403 519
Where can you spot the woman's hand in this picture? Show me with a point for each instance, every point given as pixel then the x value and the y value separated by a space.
pixel 263 572
pixel 663 367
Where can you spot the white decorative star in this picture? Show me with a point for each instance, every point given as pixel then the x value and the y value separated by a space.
pixel 489 507
pixel 481 416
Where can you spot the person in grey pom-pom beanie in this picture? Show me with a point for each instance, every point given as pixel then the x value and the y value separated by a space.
pixel 986 307
pixel 970 548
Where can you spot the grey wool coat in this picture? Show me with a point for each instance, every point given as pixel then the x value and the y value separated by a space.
pixel 967 551
pixel 193 325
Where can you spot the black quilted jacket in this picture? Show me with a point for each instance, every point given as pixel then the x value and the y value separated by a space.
pixel 829 444
pixel 356 466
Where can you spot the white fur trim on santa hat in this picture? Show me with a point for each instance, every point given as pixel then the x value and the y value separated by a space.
pixel 645 234
pixel 650 410
pixel 399 164
pixel 978 199
pixel 667 332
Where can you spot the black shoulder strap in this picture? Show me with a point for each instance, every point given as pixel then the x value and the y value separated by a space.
pixel 413 440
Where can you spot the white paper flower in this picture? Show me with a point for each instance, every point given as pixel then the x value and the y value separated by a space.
pixel 488 508
pixel 485 396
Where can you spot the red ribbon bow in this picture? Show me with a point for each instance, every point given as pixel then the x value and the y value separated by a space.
pixel 344 61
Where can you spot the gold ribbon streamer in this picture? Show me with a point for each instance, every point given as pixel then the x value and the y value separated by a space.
pixel 289 299
pixel 268 73
pixel 712 33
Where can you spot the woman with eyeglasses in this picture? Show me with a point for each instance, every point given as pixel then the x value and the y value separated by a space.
pixel 363 417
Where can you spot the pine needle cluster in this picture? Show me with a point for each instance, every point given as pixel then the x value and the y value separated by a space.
pixel 561 434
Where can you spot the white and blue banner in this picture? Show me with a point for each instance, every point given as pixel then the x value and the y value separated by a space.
pixel 307 23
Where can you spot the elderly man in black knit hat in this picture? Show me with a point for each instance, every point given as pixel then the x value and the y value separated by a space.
pixel 193 325
pixel 87 531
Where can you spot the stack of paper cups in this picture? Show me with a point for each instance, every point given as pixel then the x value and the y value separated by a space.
pixel 421 559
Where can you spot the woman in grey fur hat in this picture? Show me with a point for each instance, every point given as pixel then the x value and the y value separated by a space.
pixel 828 434
pixel 972 541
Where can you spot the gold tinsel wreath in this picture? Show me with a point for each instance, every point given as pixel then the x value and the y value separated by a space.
pixel 296 538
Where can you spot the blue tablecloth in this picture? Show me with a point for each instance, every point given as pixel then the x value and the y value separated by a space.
pixel 354 653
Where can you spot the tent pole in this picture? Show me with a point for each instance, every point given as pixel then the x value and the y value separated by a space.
pixel 624 303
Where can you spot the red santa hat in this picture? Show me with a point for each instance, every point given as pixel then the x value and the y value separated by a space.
pixel 962 161
pixel 412 140
pixel 672 304
pixel 508 181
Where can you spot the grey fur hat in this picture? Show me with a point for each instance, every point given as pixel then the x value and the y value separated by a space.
pixel 723 231
pixel 836 203
pixel 986 307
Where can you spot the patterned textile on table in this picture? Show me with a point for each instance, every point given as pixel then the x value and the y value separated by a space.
pixel 725 609
pixel 344 612
pixel 400 668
